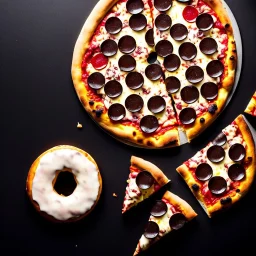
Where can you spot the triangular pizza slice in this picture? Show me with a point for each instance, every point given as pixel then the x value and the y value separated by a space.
pixel 251 108
pixel 169 213
pixel 220 174
pixel 144 180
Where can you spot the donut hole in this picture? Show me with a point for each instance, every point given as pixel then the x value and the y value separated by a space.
pixel 64 183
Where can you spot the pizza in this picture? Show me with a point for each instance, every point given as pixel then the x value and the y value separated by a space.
pixel 169 213
pixel 145 70
pixel 221 173
pixel 251 107
pixel 144 180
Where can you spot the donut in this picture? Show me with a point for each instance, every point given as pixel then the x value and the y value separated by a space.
pixel 43 175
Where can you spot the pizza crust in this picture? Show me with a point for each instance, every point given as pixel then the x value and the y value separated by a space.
pixel 158 175
pixel 184 171
pixel 251 106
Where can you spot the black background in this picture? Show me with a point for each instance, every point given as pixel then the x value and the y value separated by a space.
pixel 39 109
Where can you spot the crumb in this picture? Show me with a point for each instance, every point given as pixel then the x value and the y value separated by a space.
pixel 128 181
pixel 114 195
pixel 79 125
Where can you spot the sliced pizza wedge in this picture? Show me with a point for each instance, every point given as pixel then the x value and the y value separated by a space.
pixel 220 174
pixel 169 213
pixel 144 180
pixel 251 108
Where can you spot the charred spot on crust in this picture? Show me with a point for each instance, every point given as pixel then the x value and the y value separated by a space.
pixel 202 120
pixel 248 160
pixel 149 143
pixel 134 133
pixel 226 200
pixel 232 57
pixel 238 190
pixel 212 109
pixel 140 140
pixel 227 25
pixel 91 102
pixel 234 50
pixel 99 112
pixel 195 187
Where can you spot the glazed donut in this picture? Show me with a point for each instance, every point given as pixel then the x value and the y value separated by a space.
pixel 43 175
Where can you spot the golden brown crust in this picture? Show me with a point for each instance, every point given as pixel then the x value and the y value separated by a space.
pixel 182 205
pixel 251 107
pixel 184 171
pixel 230 63
pixel 31 175
pixel 158 175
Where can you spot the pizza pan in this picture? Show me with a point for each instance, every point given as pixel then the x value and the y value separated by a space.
pixel 238 39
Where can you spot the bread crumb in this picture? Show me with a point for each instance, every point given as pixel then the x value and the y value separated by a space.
pixel 114 195
pixel 79 125
pixel 128 181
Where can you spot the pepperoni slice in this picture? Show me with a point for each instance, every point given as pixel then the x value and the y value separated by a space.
pixel 153 72
pixel 220 140
pixel 127 63
pixel 215 68
pixel 127 44
pixel 179 32
pixel 164 48
pixel 113 25
pixel 187 116
pixel 99 61
pixel 96 80
pixel 190 13
pixel 163 5
pixel 204 172
pixel 134 6
pixel 194 74
pixel 204 22
pixel 217 185
pixel 138 22
pixel 159 209
pixel 152 230
pixel 237 152
pixel 236 172
pixel 134 103
pixel 109 47
pixel 149 37
pixel 156 104
pixel 187 51
pixel 149 124
pixel 172 84
pixel 172 62
pixel 113 89
pixel 116 112
pixel 144 180
pixel 152 58
pixel 216 154
pixel 208 46
pixel 177 221
pixel 189 94
pixel 209 91
pixel 134 80
pixel 163 22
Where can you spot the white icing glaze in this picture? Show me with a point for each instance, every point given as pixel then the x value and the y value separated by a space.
pixel 83 197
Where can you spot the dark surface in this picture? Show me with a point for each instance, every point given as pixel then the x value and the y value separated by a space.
pixel 41 110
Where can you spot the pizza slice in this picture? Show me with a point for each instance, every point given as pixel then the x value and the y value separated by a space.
pixel 144 180
pixel 220 174
pixel 251 108
pixel 169 213
pixel 195 45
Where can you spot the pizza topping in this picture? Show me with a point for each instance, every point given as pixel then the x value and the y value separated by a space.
pixel 99 61
pixel 226 200
pixel 184 1
pixel 208 46
pixel 113 25
pixel 116 112
pixel 204 172
pixel 215 68
pixel 152 58
pixel 220 140
pixel 172 84
pixel 138 22
pixel 156 104
pixel 189 13
pixel 153 72
pixel 152 230
pixel 187 116
pixel 209 91
pixel 202 120
pixel 163 5
pixel 187 51
pixel 195 74
pixel 127 63
pixel 172 62
pixel 177 221
pixel 189 94
pixel 237 152
pixel 113 89
pixel 179 32
pixel 216 154
pixel 236 172
pixel 149 124
pixel 144 180
pixel 98 112
pixel 159 209
pixel 164 48
pixel 163 22
pixel 134 6
pixel 134 80
pixel 109 47
pixel 212 108
pixel 127 44
pixel 204 22
pixel 134 103
pixel 195 187
pixel 96 81
pixel 91 102
pixel 149 37
pixel 217 185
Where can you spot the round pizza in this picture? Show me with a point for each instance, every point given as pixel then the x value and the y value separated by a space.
pixel 147 69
